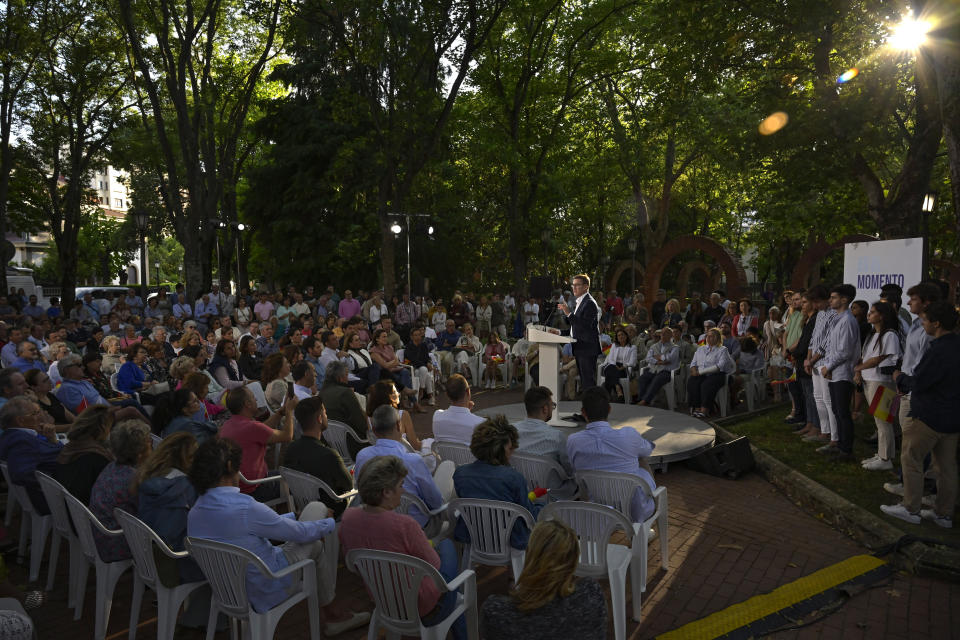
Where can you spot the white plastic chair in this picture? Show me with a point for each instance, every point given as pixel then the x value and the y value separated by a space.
pixel 414 381
pixel 393 581
pixel 108 573
pixel 284 497
pixel 142 540
pixel 616 490
pixel 12 502
pixel 155 440
pixel 225 567
pixel 489 523
pixel 37 525
pixel 305 488
pixel 755 387
pixel 723 397
pixel 62 530
pixel 539 471
pixel 438 524
pixel 624 382
pixel 454 451
pixel 336 435
pixel 599 558
pixel 670 389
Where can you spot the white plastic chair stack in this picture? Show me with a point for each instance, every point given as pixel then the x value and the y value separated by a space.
pixel 616 490
pixel 108 573
pixel 454 451
pixel 305 488
pixel 37 525
pixel 539 471
pixel 438 525
pixel 336 436
pixel 489 523
pixel 599 558
pixel 142 541
pixel 62 530
pixel 393 580
pixel 225 567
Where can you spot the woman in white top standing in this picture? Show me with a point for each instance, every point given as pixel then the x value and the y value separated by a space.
pixel 880 354
pixel 772 331
pixel 621 357
pixel 439 317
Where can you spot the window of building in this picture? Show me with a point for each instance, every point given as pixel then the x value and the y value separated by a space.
pixel 119 202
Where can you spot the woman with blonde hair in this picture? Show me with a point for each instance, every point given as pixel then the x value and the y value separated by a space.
pixel 708 372
pixel 548 601
pixel 112 356
pixel 671 314
pixel 189 337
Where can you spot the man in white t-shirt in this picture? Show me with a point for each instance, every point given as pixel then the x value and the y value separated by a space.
pixel 457 423
pixel 531 311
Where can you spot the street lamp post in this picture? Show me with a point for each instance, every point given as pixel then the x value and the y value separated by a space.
pixel 142 221
pixel 929 204
pixel 217 225
pixel 397 229
pixel 632 245
pixel 156 265
pixel 240 227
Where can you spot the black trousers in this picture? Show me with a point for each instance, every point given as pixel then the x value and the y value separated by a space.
pixel 650 383
pixel 611 377
pixel 587 369
pixel 841 393
pixel 702 390
pixel 796 392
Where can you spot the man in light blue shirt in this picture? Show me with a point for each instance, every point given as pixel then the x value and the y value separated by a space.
pixel 840 355
pixel 385 423
pixel 917 341
pixel 540 439
pixel 9 352
pixel 600 447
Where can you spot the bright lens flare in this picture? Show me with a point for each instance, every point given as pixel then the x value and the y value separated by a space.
pixel 773 123
pixel 848 75
pixel 910 34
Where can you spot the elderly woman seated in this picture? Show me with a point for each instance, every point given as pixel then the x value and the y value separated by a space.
pixel 492 478
pixel 377 526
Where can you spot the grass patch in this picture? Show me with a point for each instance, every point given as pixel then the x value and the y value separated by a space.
pixel 864 488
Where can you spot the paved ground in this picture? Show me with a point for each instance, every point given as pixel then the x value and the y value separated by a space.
pixel 729 540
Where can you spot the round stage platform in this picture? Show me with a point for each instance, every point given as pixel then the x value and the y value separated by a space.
pixel 677 436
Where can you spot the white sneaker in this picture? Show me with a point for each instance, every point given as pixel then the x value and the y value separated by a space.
pixel 878 464
pixel 900 511
pixel 896 488
pixel 941 521
pixel 875 456
pixel 929 500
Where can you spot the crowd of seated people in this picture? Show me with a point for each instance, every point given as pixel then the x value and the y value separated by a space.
pixel 223 381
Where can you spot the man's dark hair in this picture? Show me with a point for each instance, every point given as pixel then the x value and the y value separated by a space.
pixel 236 398
pixel 817 293
pixel 309 343
pixel 891 288
pixel 925 291
pixel 325 336
pixel 943 312
pixel 536 398
pixel 596 403
pixel 5 375
pixel 847 291
pixel 457 387
pixel 490 439
pixel 215 458
pixel 300 369
pixel 191 351
pixel 307 410
pixel 893 298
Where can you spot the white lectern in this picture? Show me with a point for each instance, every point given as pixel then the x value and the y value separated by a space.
pixel 550 345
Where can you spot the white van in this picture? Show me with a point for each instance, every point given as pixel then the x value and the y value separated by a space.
pixel 22 278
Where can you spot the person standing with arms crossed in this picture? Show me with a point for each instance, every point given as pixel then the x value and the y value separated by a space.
pixel 585 328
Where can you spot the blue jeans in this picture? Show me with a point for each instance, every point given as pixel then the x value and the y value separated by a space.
pixel 449 569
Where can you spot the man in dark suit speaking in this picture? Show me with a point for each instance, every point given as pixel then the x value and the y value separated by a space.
pixel 584 321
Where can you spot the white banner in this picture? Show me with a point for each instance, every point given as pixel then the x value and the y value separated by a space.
pixel 870 265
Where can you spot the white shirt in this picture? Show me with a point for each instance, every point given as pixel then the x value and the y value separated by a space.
pixel 627 356
pixel 302 392
pixel 890 344
pixel 377 312
pixel 455 424
pixel 531 312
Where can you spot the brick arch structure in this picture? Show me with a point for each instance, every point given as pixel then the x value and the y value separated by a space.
pixel 613 276
pixel 817 253
pixel 729 264
pixel 688 269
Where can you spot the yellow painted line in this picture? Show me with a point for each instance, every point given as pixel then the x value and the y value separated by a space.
pixel 759 607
